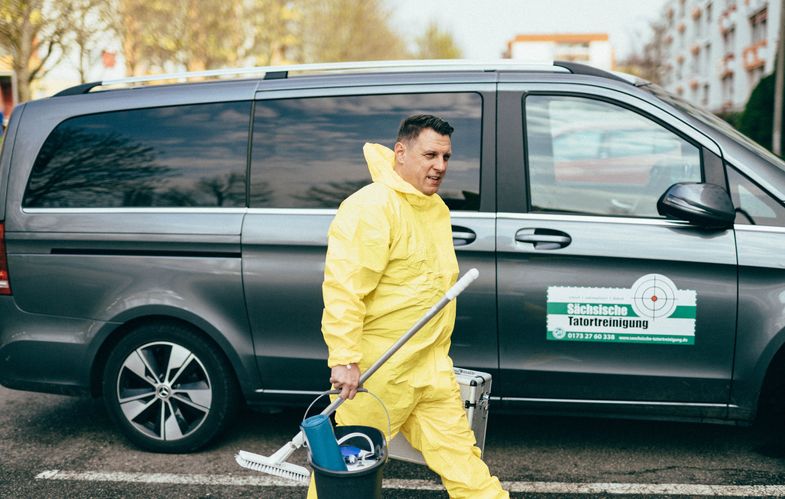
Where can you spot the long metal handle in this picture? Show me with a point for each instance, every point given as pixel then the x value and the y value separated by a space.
pixel 537 238
pixel 543 239
pixel 457 288
pixel 461 236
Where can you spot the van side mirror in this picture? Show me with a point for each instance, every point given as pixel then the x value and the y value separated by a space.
pixel 706 205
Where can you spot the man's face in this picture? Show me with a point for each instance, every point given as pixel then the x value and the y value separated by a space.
pixel 423 161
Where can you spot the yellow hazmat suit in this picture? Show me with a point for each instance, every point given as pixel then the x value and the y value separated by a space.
pixel 390 258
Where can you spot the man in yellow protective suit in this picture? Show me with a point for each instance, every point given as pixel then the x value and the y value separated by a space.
pixel 390 257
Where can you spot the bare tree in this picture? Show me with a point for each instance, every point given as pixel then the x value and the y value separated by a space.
pixel 86 26
pixel 159 35
pixel 437 44
pixel 271 29
pixel 33 32
pixel 650 62
pixel 196 34
pixel 127 19
pixel 346 30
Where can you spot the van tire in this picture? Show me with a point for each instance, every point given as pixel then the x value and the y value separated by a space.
pixel 168 389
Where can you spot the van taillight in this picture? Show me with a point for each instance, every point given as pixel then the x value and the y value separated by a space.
pixel 5 287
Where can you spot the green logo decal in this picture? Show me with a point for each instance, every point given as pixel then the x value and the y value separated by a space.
pixel 653 311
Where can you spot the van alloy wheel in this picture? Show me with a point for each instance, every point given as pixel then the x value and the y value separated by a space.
pixel 164 390
pixel 169 388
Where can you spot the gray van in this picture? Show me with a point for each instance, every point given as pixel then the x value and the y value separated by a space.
pixel 162 245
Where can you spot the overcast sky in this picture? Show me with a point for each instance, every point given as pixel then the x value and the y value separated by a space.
pixel 482 28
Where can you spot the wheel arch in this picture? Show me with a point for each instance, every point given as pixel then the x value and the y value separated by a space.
pixel 772 382
pixel 238 350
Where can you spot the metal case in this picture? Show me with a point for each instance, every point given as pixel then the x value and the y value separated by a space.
pixel 476 392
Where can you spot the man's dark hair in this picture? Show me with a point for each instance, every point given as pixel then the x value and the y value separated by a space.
pixel 412 126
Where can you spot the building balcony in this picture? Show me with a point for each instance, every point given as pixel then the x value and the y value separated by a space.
pixel 696 13
pixel 727 23
pixel 755 55
pixel 695 48
pixel 681 27
pixel 753 6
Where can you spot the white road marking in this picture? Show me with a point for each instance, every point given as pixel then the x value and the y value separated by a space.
pixel 644 489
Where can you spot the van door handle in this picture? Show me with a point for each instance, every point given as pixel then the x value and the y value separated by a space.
pixel 543 239
pixel 461 236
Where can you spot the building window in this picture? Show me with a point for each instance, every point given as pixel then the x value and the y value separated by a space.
pixel 577 52
pixel 727 91
pixel 758 25
pixel 705 95
pixel 729 41
pixel 706 71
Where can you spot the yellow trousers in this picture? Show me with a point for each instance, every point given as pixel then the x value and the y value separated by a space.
pixel 433 420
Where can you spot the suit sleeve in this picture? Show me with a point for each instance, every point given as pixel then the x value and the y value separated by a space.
pixel 358 251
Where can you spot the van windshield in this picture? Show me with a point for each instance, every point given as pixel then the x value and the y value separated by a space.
pixel 715 122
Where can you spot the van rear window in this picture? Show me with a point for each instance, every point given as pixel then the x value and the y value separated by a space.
pixel 178 156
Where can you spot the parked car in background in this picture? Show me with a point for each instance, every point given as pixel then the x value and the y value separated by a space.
pixel 162 245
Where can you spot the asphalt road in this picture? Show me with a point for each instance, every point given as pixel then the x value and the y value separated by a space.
pixel 55 446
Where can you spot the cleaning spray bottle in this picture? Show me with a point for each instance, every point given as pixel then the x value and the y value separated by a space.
pixel 321 439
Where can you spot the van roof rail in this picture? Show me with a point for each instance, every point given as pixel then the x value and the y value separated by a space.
pixel 282 72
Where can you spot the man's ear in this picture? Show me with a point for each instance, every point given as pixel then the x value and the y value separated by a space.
pixel 400 152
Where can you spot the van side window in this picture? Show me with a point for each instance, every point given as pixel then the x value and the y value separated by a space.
pixel 592 157
pixel 753 205
pixel 175 156
pixel 308 152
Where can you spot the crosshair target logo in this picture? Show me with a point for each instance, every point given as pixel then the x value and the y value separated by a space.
pixel 654 296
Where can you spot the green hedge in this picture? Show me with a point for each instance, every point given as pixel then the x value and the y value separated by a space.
pixel 758 117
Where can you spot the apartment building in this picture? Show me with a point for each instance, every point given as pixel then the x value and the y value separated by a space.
pixel 589 48
pixel 718 50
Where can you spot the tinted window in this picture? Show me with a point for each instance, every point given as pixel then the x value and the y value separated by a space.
pixel 593 157
pixel 753 205
pixel 307 153
pixel 161 157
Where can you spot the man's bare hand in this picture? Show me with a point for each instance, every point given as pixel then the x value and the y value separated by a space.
pixel 347 379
